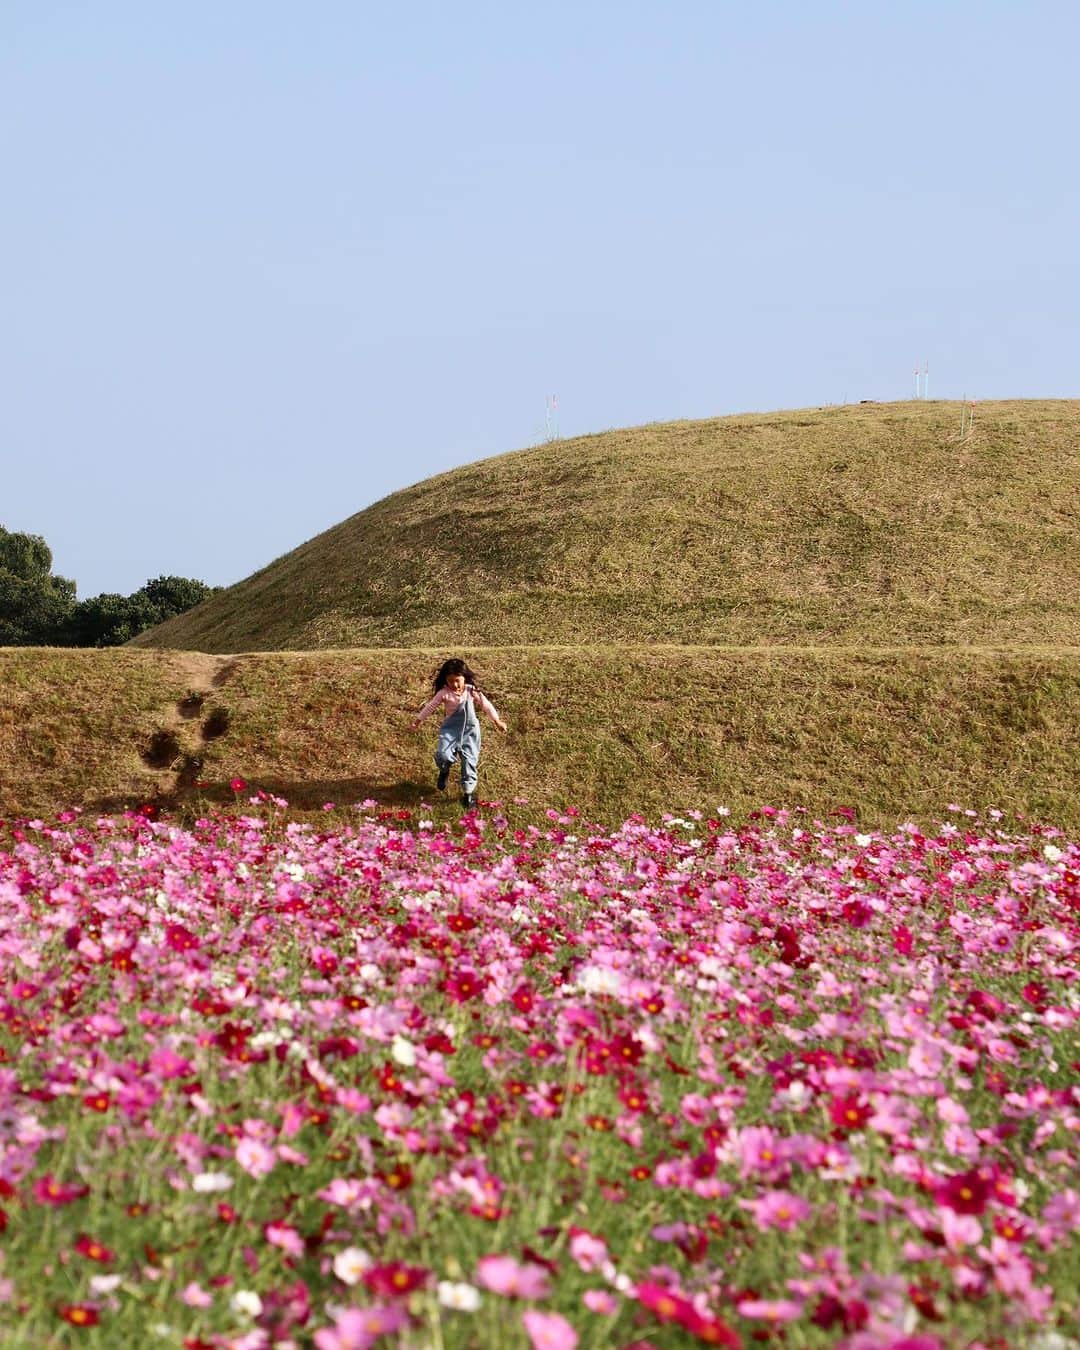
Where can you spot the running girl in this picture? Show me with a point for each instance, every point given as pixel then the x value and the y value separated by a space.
pixel 459 736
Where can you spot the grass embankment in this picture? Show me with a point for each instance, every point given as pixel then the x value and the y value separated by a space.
pixel 869 526
pixel 895 734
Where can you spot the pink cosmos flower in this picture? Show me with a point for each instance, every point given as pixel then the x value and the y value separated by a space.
pixel 965 1193
pixel 504 1275
pixel 960 1230
pixel 770 1310
pixel 778 1209
pixel 166 1063
pixel 670 1306
pixel 179 938
pixel 759 1150
pixel 254 1157
pixel 600 1301
pixel 951 1111
pixel 48 1191
pixel 549 1331
pixel 1062 1211
pixel 283 1236
pixel 588 1251
pixel 359 1328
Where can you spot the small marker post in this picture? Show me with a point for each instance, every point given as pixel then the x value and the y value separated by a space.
pixel 551 417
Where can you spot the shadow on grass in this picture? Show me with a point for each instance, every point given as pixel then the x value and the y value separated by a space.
pixel 310 794
pixel 303 794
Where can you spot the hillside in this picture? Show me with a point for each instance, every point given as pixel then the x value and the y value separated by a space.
pixel 873 525
pixel 895 735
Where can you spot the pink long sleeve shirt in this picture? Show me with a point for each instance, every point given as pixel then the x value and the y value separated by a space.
pixel 451 702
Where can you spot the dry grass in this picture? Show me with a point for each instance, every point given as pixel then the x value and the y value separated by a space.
pixel 897 734
pixel 74 724
pixel 859 526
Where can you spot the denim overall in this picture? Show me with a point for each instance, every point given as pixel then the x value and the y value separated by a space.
pixel 459 737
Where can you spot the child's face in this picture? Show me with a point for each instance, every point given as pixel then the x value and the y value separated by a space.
pixel 456 684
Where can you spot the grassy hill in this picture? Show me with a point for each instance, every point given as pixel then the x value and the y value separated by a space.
pixel 867 526
pixel 843 607
pixel 896 734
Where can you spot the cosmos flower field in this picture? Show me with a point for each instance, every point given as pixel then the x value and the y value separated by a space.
pixel 392 1082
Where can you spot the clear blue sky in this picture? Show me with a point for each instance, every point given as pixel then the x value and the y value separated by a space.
pixel 262 263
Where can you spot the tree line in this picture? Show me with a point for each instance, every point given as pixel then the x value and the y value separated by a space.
pixel 39 609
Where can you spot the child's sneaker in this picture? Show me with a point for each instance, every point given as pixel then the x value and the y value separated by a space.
pixel 443 778
pixel 468 801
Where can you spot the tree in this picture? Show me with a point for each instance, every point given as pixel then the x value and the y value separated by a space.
pixel 34 604
pixel 109 620
pixel 173 595
pixel 39 609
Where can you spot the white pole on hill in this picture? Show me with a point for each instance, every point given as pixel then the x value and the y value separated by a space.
pixel 916 381
pixel 551 412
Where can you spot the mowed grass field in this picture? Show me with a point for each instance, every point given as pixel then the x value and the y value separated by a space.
pixel 892 734
pixel 864 527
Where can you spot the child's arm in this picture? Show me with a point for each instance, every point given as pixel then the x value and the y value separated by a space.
pixel 428 708
pixel 491 710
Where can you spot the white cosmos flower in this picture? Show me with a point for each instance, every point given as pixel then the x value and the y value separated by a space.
pixel 350 1264
pixel 403 1052
pixel 599 980
pixel 1052 853
pixel 862 840
pixel 463 1297
pixel 796 1096
pixel 247 1303
pixel 208 1182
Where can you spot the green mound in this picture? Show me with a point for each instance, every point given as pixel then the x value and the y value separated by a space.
pixel 873 526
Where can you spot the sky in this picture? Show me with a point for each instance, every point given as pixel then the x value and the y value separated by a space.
pixel 264 263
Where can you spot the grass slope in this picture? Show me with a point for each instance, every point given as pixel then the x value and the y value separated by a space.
pixel 898 734
pixel 850 526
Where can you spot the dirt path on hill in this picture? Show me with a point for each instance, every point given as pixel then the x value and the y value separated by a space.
pixel 173 753
pixel 202 671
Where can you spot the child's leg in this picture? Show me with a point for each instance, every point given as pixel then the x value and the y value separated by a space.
pixel 470 762
pixel 446 752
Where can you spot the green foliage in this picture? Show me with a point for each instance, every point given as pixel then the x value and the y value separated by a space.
pixel 109 620
pixel 173 595
pixel 34 604
pixel 38 609
pixel 27 556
